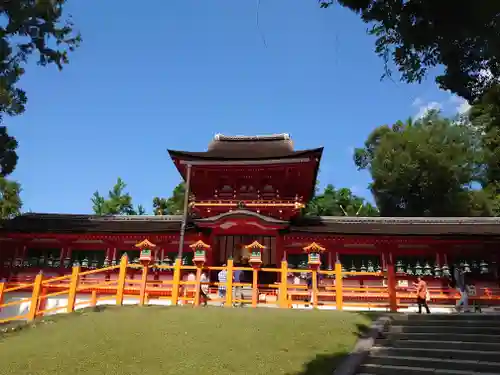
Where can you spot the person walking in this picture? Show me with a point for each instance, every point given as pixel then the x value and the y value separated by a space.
pixel 238 290
pixel 422 294
pixel 222 277
pixel 461 286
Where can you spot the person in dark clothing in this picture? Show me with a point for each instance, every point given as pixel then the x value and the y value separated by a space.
pixel 461 286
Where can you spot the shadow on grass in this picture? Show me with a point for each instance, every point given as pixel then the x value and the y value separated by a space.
pixel 327 363
pixel 322 364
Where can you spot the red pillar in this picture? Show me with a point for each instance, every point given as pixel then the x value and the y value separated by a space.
pixel 209 240
pixel 391 282
pixel 280 248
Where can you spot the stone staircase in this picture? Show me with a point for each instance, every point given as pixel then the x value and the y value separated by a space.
pixel 452 344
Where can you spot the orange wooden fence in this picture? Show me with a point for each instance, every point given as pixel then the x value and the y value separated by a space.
pixel 336 289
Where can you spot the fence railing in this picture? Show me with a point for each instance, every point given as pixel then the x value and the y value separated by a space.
pixel 178 284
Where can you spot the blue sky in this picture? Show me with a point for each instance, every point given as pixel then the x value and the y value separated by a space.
pixel 171 74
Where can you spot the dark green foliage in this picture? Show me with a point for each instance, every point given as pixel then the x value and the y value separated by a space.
pixel 33 27
pixel 418 35
pixel 484 116
pixel 341 202
pixel 117 203
pixel 10 201
pixel 173 205
pixel 29 27
pixel 424 168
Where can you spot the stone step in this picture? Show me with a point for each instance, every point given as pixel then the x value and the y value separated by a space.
pixel 449 322
pixel 434 363
pixel 456 317
pixel 445 329
pixel 442 344
pixel 465 355
pixel 468 337
pixel 373 369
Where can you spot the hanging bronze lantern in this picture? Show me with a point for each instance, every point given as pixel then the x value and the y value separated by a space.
pixel 370 268
pixel 483 266
pixel 437 270
pixel 363 268
pixel 427 269
pixel 474 266
pixel 466 267
pixel 446 270
pixel 409 270
pixel 353 268
pixel 400 268
pixel 418 269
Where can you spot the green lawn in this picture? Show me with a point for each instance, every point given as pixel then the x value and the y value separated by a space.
pixel 183 340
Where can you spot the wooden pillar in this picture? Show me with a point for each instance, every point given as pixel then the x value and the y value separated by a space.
pixel 35 296
pixel 283 291
pixel 109 253
pixel 23 253
pixel 314 291
pixel 69 253
pixel 214 249
pixel 391 282
pixel 339 288
pixel 280 247
pixel 229 283
pixel 17 250
pixel 144 280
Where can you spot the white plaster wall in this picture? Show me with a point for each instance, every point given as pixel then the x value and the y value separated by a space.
pixel 62 301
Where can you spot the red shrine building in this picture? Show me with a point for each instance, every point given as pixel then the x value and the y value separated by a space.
pixel 245 189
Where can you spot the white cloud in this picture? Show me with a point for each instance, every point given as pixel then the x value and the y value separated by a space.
pixel 451 106
pixel 424 108
pixel 417 102
pixel 355 189
pixel 460 105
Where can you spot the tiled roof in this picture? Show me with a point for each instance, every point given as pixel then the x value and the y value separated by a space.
pixel 243 147
pixel 68 223
pixel 399 225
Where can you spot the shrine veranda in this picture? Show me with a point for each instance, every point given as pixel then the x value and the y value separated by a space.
pixel 245 203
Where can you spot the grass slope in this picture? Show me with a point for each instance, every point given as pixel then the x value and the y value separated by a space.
pixel 159 340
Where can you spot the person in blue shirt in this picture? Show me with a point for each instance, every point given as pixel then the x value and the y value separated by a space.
pixel 222 277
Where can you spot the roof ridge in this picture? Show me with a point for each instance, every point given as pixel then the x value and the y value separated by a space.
pixel 265 137
pixel 412 220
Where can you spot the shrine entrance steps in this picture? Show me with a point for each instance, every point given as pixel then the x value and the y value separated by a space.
pixel 452 344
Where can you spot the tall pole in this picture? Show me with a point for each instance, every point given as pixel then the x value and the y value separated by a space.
pixel 185 214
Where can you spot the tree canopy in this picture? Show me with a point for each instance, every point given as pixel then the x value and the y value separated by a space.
pixel 30 27
pixel 37 27
pixel 417 35
pixel 341 202
pixel 424 168
pixel 173 205
pixel 484 116
pixel 118 202
pixel 10 201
